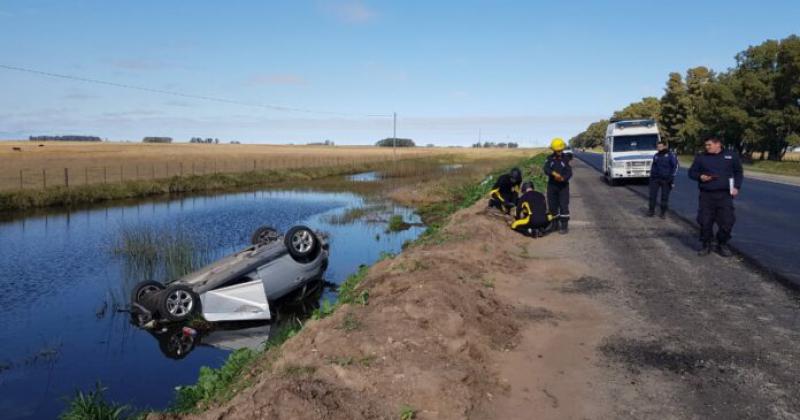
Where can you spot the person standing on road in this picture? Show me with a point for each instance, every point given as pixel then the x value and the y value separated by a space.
pixel 719 176
pixel 559 172
pixel 662 177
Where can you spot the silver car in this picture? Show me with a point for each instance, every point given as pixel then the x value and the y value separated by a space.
pixel 240 286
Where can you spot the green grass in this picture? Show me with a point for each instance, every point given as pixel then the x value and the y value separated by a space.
pixel 95 193
pixel 407 413
pixel 435 214
pixel 158 253
pixel 214 385
pixel 397 224
pixel 93 405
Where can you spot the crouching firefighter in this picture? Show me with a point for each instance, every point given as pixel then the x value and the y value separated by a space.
pixel 505 191
pixel 532 216
pixel 559 172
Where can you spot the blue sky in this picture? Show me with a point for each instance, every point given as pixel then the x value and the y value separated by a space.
pixel 521 71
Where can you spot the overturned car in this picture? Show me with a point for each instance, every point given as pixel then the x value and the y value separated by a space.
pixel 240 286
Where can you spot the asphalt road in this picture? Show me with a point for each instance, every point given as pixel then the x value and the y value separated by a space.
pixel 767 229
pixel 695 337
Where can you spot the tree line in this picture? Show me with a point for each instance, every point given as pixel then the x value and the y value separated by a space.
pixel 753 107
pixel 491 144
pixel 64 138
pixel 391 142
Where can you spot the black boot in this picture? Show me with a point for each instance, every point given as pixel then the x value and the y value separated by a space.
pixel 705 250
pixel 663 214
pixel 564 228
pixel 554 225
pixel 651 213
pixel 723 250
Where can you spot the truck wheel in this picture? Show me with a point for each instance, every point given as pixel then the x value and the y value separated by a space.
pixel 145 288
pixel 265 235
pixel 302 243
pixel 178 303
pixel 611 181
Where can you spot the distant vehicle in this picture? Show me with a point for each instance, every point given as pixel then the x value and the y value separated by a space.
pixel 628 149
pixel 238 287
pixel 568 151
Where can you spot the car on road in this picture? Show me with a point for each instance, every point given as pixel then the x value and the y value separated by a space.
pixel 628 149
pixel 240 286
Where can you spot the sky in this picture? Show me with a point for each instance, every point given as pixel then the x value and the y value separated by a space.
pixel 309 71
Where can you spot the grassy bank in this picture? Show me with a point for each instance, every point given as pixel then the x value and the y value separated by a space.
pixel 95 193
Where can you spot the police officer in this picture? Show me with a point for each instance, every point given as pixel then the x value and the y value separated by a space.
pixel 719 176
pixel 558 172
pixel 506 190
pixel 662 177
pixel 532 217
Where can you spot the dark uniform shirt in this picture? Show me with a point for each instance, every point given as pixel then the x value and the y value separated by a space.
pixel 721 167
pixel 534 202
pixel 506 186
pixel 560 165
pixel 665 166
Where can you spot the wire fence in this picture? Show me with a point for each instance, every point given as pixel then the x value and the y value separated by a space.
pixel 41 178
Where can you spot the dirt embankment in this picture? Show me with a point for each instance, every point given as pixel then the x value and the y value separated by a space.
pixel 436 338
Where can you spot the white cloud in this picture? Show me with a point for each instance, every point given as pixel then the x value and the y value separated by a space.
pixel 350 11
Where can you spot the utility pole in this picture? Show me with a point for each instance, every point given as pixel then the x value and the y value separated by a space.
pixel 394 135
pixel 479 137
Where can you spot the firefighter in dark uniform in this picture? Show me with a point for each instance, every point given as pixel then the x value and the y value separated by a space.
pixel 559 172
pixel 532 217
pixel 719 176
pixel 662 177
pixel 506 190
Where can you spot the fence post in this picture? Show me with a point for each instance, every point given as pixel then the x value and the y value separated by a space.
pixel 44 178
pixel 66 177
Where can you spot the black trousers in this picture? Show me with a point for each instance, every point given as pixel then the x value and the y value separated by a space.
pixel 659 184
pixel 716 207
pixel 558 200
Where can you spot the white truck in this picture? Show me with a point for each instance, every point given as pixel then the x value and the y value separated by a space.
pixel 628 149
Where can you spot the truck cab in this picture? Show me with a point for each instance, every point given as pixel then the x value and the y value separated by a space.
pixel 628 149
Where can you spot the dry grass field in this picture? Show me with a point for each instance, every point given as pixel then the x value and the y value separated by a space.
pixel 25 165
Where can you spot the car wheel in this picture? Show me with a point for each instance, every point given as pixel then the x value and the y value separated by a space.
pixel 145 288
pixel 175 344
pixel 265 235
pixel 178 303
pixel 302 243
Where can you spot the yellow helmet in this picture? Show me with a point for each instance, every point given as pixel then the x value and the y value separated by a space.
pixel 558 144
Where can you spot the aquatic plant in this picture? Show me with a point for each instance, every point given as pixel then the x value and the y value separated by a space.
pixel 396 224
pixel 93 405
pixel 158 253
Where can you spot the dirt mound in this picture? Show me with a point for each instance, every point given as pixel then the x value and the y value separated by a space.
pixel 422 343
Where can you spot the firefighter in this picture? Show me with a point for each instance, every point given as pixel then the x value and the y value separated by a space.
pixel 505 191
pixel 559 172
pixel 532 217
pixel 718 174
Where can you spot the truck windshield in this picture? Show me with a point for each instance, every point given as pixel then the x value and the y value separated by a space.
pixel 640 142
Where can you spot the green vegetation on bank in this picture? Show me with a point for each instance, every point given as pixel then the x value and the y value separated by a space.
pixel 95 193
pixel 753 107
pixel 93 405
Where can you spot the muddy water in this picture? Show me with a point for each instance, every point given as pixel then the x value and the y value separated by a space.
pixel 61 287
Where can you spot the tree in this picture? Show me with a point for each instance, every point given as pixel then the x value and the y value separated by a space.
pixel 390 142
pixel 674 108
pixel 649 107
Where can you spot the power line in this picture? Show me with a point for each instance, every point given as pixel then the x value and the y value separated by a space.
pixel 182 95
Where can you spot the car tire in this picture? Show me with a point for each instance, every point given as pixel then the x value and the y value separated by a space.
pixel 302 243
pixel 178 303
pixel 264 235
pixel 145 288
pixel 175 344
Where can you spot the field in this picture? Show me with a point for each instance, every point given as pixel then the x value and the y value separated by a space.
pixel 74 164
